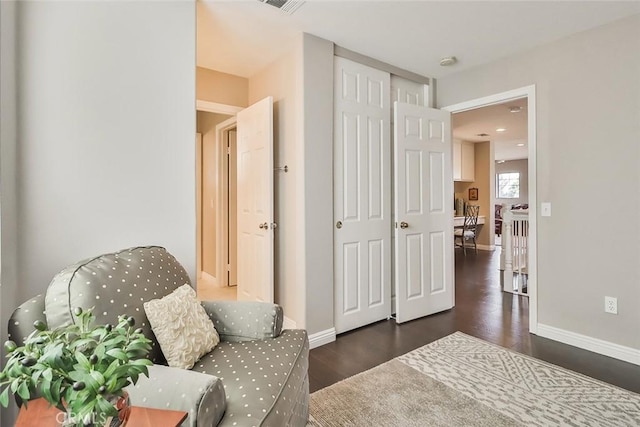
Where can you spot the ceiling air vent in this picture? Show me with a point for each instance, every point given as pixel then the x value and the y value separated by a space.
pixel 287 6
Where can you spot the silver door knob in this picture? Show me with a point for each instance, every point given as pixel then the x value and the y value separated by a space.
pixel 339 224
pixel 404 225
pixel 263 226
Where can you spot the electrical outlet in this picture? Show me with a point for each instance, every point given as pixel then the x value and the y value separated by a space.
pixel 611 305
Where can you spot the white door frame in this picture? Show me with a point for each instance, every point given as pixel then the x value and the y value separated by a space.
pixel 530 93
pixel 221 202
pixel 222 212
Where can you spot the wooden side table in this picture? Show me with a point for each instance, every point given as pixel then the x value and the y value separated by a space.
pixel 39 413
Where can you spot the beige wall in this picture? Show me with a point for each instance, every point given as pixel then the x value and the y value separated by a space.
pixel 222 88
pixel 588 101
pixel 521 166
pixel 482 182
pixel 483 160
pixel 282 81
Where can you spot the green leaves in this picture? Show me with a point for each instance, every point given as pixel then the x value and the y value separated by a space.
pixel 4 397
pixel 23 390
pixel 118 354
pixel 103 358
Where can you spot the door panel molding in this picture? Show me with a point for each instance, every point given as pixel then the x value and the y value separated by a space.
pixel 362 201
pixel 424 209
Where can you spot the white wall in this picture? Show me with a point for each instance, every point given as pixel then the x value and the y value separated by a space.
pixel 588 156
pixel 8 194
pixel 521 166
pixel 106 101
pixel 318 181
pixel 282 80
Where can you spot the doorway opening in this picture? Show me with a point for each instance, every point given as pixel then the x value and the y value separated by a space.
pixel 216 235
pixel 506 192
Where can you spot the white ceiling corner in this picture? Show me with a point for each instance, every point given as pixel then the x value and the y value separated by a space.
pixel 242 37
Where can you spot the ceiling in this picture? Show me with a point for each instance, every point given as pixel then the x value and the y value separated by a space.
pixel 241 37
pixel 467 125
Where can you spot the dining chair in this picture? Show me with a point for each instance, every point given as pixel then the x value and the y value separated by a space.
pixel 469 229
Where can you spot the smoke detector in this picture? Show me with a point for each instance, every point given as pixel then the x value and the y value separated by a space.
pixel 286 6
pixel 448 61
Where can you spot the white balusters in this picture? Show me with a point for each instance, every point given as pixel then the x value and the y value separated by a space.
pixel 514 254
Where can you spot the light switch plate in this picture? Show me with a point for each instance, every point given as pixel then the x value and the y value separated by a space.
pixel 545 209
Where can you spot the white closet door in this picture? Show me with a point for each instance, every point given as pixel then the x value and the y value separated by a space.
pixel 408 92
pixel 255 201
pixel 362 203
pixel 423 212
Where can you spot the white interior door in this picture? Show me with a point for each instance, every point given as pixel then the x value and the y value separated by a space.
pixel 423 211
pixel 362 202
pixel 255 202
pixel 409 92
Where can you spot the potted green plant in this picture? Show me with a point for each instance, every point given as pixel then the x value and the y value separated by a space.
pixel 80 368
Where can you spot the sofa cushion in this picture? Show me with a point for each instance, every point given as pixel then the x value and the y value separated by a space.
pixel 116 283
pixel 22 319
pixel 245 320
pixel 183 329
pixel 263 379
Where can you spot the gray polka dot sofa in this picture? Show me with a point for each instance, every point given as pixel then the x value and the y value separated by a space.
pixel 255 376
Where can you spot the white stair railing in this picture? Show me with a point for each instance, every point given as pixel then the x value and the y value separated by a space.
pixel 514 250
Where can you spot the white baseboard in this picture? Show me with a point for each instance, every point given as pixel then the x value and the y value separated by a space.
pixel 322 338
pixel 596 345
pixel 288 323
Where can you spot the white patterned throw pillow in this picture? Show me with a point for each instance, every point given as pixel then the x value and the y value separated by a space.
pixel 182 327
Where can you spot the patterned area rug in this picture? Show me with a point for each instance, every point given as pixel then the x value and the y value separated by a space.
pixel 464 381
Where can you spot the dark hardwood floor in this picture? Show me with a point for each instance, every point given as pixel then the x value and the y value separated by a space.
pixel 482 310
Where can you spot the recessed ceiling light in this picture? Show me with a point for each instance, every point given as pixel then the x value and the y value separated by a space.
pixel 520 145
pixel 501 130
pixel 448 60
pixel 500 161
pixel 515 109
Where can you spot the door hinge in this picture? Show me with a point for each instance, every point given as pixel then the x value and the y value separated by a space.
pixel 228 267
pixel 228 151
